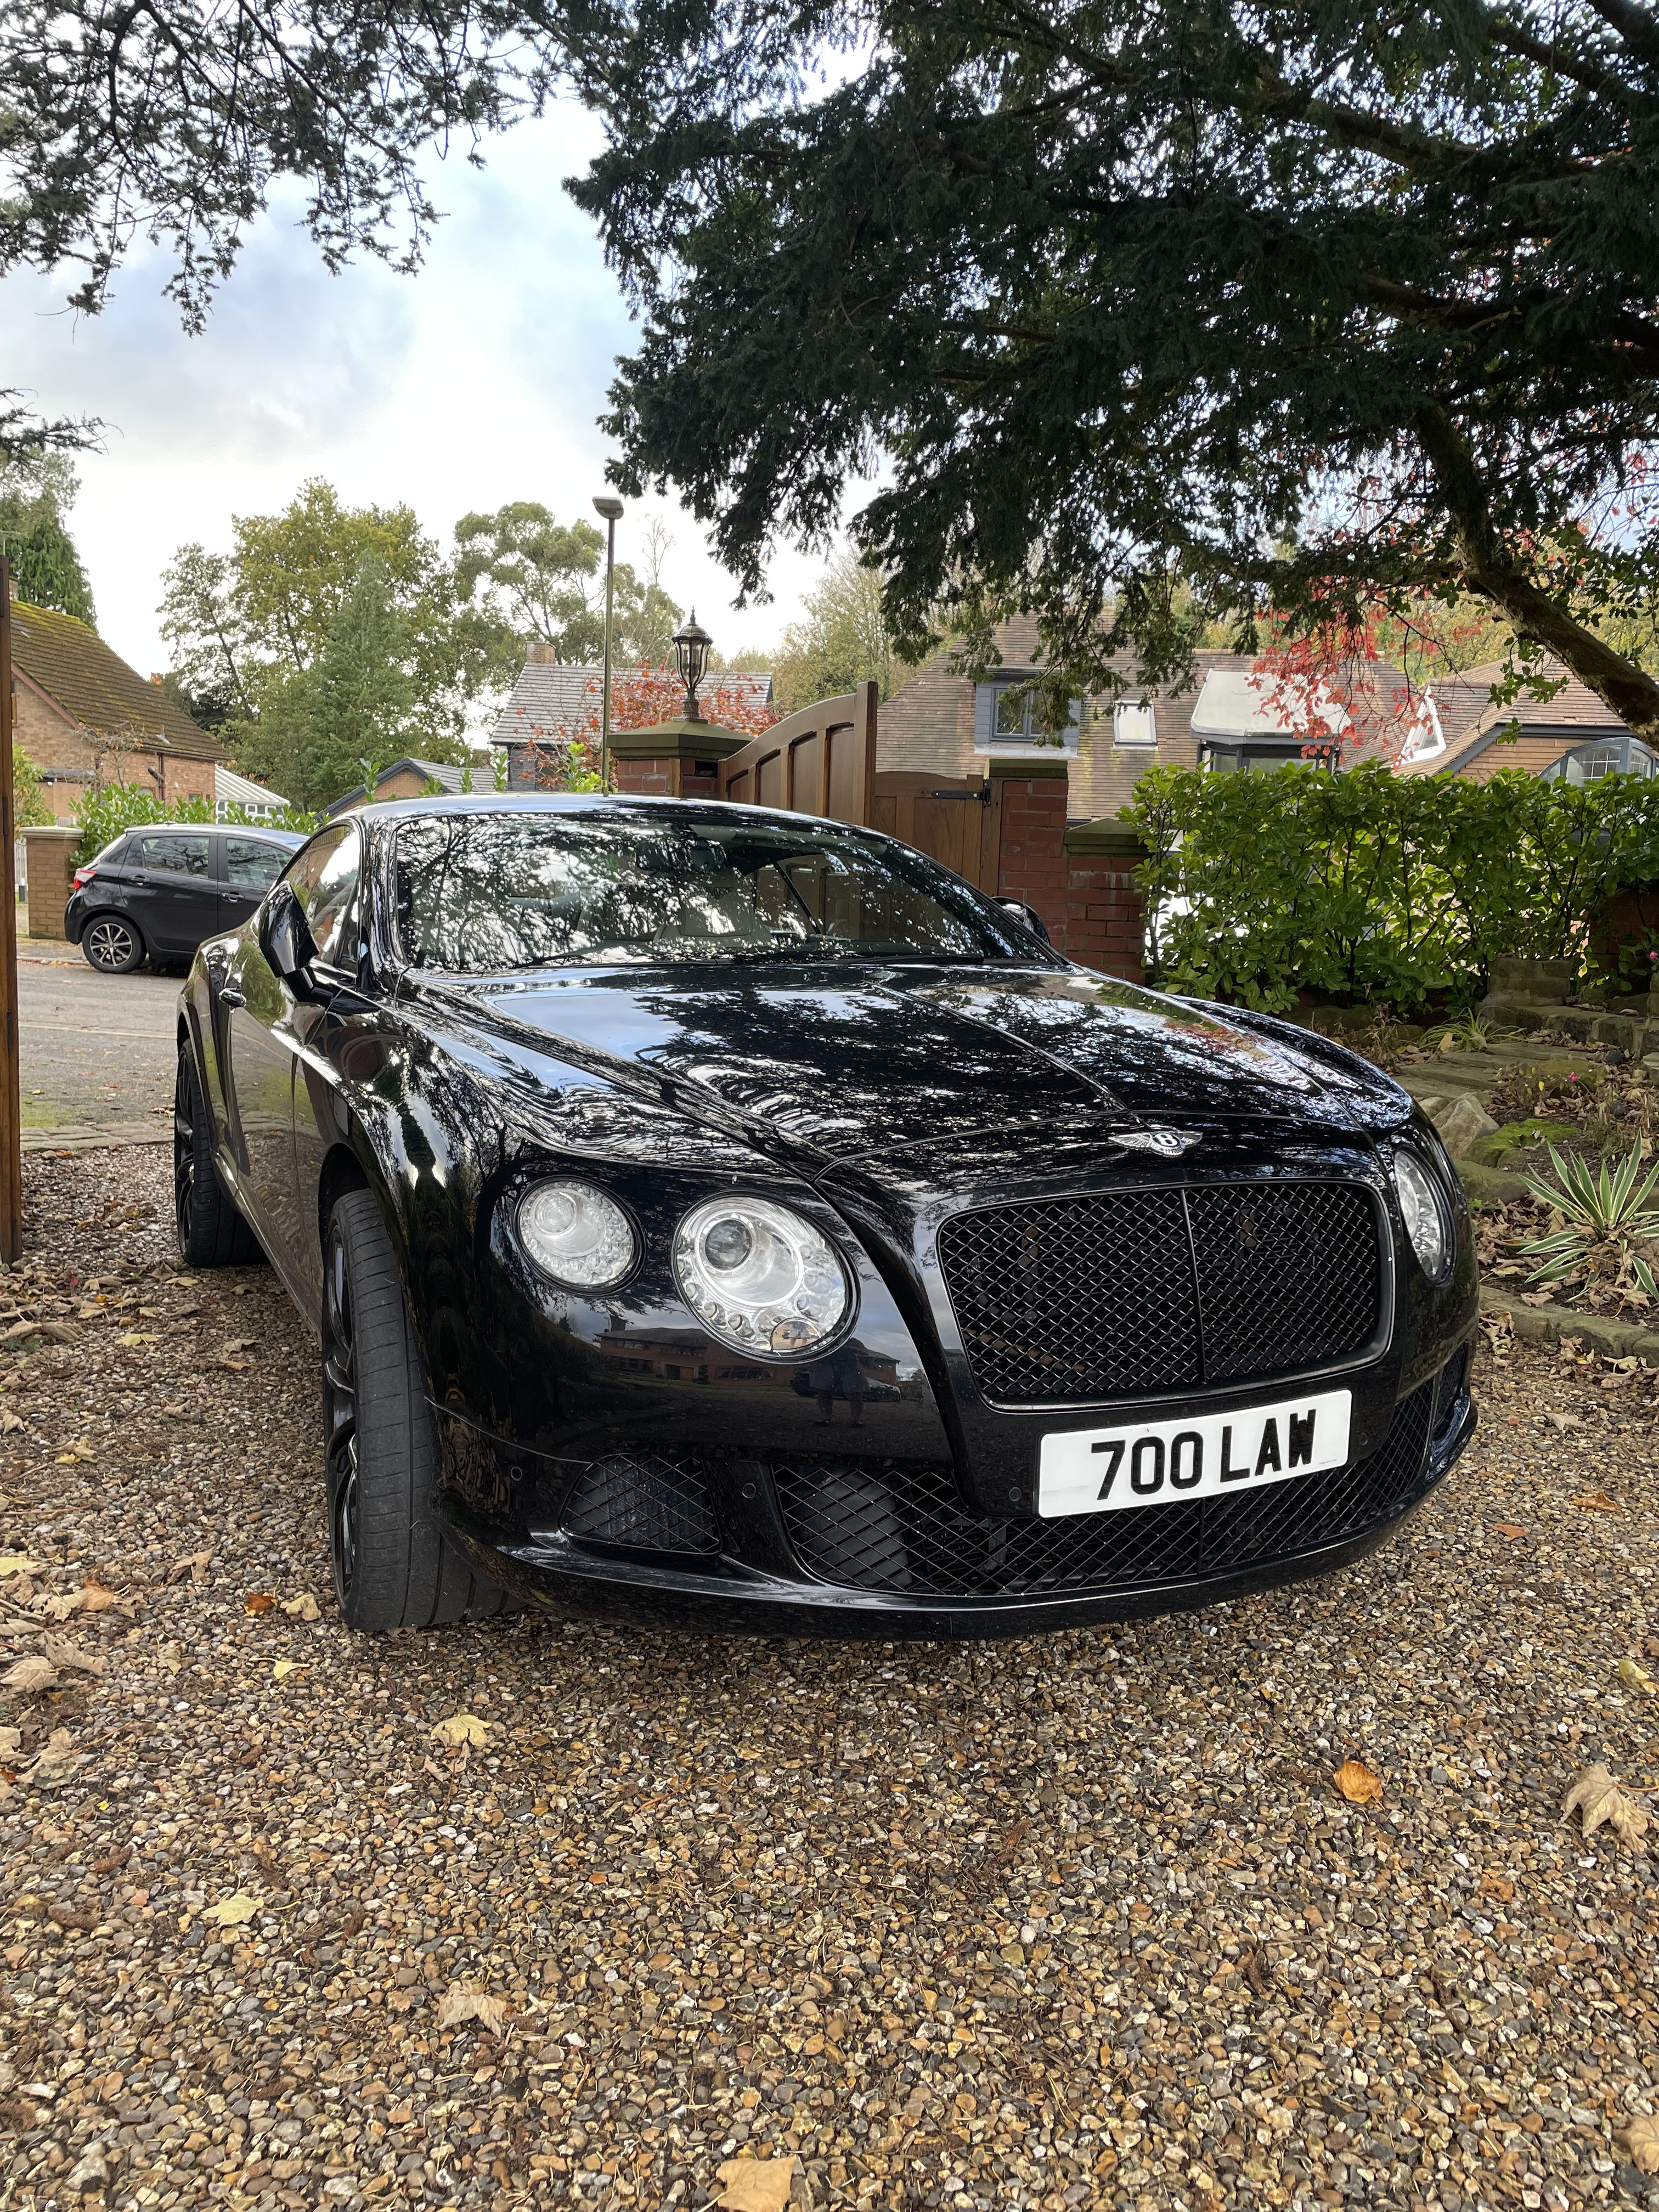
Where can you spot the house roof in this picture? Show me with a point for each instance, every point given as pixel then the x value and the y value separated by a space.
pixel 442 773
pixel 552 703
pixel 1241 704
pixel 1575 716
pixel 230 789
pixel 94 686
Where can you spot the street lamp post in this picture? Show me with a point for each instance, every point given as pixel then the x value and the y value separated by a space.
pixel 612 509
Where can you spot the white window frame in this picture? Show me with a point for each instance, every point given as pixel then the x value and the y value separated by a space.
pixel 1140 716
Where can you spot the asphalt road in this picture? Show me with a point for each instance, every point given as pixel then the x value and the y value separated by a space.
pixel 95 1049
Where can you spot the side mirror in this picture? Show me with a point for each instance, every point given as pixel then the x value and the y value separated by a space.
pixel 286 940
pixel 1027 917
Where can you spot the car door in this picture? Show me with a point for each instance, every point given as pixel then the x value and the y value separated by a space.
pixel 264 1045
pixel 175 898
pixel 249 867
pixel 330 1037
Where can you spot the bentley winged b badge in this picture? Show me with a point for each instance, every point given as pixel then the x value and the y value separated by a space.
pixel 1168 1144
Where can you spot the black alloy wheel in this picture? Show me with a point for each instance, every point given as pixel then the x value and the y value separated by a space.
pixel 393 1567
pixel 212 1232
pixel 112 944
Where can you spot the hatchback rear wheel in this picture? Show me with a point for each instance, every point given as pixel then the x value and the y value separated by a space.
pixel 393 1567
pixel 113 945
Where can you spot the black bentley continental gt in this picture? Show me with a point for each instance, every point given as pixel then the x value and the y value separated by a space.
pixel 726 1218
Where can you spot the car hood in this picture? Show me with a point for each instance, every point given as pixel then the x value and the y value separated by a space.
pixel 888 1057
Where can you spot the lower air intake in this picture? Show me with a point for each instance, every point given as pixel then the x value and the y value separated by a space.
pixel 896 1526
pixel 641 1502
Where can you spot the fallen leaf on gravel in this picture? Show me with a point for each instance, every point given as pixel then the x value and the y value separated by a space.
pixel 282 1669
pixel 238 1344
pixel 1506 1528
pixel 93 1597
pixel 1565 1420
pixel 1357 1784
pixel 137 1336
pixel 1495 1885
pixel 462 1729
pixel 1597 1501
pixel 79 1449
pixel 10 1422
pixel 234 1910
pixel 1636 1678
pixel 33 1673
pixel 62 1653
pixel 11 1740
pixel 56 1759
pixel 304 1608
pixel 459 2005
pixel 59 1605
pixel 18 1563
pixel 755 2185
pixel 1640 2137
pixel 1599 1801
pixel 259 1602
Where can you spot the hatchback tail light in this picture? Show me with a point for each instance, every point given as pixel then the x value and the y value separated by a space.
pixel 83 875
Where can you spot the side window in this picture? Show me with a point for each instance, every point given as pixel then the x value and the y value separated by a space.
pixel 173 855
pixel 251 864
pixel 324 878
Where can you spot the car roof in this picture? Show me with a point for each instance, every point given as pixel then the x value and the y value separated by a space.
pixel 292 839
pixel 586 802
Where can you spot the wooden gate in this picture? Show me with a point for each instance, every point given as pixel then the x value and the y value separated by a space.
pixel 952 818
pixel 821 760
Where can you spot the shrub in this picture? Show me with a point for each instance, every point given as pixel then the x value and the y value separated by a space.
pixel 107 809
pixel 1373 885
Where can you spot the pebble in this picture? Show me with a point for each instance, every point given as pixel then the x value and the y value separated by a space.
pixel 1073 1921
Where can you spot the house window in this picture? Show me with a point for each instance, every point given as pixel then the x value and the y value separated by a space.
pixel 1005 722
pixel 1606 757
pixel 1133 723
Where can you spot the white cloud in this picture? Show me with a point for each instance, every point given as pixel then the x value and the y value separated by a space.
pixel 474 382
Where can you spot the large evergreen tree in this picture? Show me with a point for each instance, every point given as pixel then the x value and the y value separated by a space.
pixel 37 489
pixel 1159 310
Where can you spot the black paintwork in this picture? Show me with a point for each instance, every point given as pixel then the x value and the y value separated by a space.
pixel 877 1098
pixel 172 909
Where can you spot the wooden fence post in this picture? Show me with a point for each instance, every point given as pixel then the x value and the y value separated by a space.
pixel 11 1132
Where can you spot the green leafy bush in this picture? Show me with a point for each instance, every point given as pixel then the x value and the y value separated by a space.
pixel 1372 885
pixel 103 813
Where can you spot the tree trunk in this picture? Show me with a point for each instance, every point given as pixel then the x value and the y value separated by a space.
pixel 1629 691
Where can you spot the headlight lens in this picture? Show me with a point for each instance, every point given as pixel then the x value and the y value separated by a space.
pixel 760 1278
pixel 1428 1220
pixel 577 1234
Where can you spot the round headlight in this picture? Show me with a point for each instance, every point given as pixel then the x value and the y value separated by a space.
pixel 760 1278
pixel 1428 1223
pixel 576 1234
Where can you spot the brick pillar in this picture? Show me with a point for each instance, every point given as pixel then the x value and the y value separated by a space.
pixel 1030 799
pixel 49 863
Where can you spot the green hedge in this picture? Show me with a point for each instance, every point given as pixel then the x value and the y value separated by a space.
pixel 103 813
pixel 1376 886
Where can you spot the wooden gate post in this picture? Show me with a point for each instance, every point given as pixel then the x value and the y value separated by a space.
pixel 11 1132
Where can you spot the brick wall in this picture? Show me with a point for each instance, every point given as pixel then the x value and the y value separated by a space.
pixel 1105 914
pixel 648 778
pixel 1032 860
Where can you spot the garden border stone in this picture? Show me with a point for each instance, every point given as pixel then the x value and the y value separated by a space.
pixel 1620 1339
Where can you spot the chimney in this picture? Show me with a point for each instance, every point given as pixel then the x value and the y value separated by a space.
pixel 538 655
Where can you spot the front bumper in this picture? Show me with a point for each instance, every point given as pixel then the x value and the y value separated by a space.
pixel 820 1546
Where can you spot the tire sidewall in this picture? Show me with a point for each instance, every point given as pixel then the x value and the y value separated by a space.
pixel 134 957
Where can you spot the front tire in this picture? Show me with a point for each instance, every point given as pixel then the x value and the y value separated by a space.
pixel 112 944
pixel 211 1232
pixel 393 1566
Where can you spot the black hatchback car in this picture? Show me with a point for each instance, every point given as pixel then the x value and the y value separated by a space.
pixel 725 1217
pixel 157 891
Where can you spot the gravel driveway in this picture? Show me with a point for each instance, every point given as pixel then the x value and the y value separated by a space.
pixel 1076 1922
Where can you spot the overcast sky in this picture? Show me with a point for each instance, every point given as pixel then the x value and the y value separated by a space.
pixel 474 382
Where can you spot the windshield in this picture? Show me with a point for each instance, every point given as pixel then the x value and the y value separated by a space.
pixel 480 893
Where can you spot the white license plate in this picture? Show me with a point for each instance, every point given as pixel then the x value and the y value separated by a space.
pixel 1198 1455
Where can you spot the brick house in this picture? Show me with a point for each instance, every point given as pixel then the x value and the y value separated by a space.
pixel 83 717
pixel 410 778
pixel 554 705
pixel 1574 735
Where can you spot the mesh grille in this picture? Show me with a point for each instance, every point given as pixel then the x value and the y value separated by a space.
pixel 1125 1294
pixel 903 1527
pixel 644 1501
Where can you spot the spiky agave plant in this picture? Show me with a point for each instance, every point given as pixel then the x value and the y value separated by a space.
pixel 1601 1211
